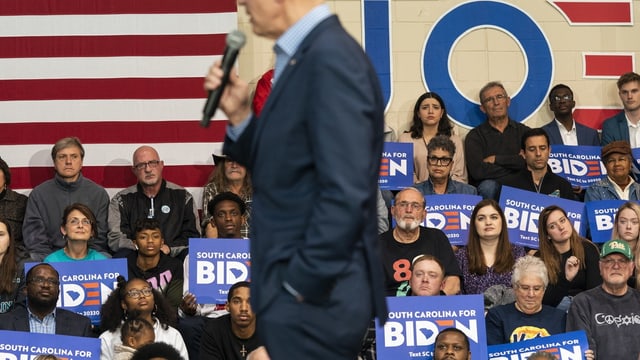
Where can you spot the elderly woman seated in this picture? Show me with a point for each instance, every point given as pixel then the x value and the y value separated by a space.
pixel 526 318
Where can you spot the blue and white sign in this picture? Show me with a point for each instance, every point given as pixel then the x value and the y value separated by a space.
pixel 580 165
pixel 567 346
pixel 396 166
pixel 20 345
pixel 600 216
pixel 451 213
pixel 522 209
pixel 85 285
pixel 415 321
pixel 215 265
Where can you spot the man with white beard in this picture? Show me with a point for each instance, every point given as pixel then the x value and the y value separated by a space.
pixel 408 239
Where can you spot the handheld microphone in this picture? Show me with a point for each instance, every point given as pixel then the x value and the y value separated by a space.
pixel 235 41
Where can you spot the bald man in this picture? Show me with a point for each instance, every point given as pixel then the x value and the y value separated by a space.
pixel 153 198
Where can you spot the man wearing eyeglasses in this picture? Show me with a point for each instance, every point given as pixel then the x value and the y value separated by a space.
pixel 439 163
pixel 492 148
pixel 153 198
pixel 610 313
pixel 563 129
pixel 537 176
pixel 408 239
pixel 39 313
pixel 46 203
pixel 625 125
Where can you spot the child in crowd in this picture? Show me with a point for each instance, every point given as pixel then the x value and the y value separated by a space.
pixel 135 333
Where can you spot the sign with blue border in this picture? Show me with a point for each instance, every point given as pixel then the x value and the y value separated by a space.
pixel 215 265
pixel 415 321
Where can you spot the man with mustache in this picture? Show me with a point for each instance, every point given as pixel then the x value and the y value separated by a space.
pixel 408 239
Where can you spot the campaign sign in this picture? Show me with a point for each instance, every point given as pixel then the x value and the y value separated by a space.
pixel 567 346
pixel 20 345
pixel 414 322
pixel 396 166
pixel 451 213
pixel 580 165
pixel 522 209
pixel 600 215
pixel 215 265
pixel 85 285
pixel 635 169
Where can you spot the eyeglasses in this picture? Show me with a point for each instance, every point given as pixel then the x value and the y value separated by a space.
pixel 497 98
pixel 76 222
pixel 611 262
pixel 566 97
pixel 414 205
pixel 41 281
pixel 137 294
pixel 442 161
pixel 151 164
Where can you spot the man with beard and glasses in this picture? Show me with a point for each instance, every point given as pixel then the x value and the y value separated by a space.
pixel 408 239
pixel 39 314
pixel 232 336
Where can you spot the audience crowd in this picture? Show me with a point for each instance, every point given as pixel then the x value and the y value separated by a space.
pixel 567 283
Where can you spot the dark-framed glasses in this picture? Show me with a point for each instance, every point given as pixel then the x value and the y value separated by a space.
pixel 42 280
pixel 143 165
pixel 442 161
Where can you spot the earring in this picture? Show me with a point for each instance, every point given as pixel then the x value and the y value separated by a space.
pixel 125 315
pixel 155 310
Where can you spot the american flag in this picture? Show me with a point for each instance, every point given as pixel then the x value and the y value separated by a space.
pixel 117 74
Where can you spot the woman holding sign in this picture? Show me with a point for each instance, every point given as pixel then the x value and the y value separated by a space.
pixel 627 227
pixel 136 299
pixel 572 261
pixel 488 258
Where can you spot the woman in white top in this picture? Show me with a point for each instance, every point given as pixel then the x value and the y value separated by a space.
pixel 136 299
pixel 627 227
pixel 430 119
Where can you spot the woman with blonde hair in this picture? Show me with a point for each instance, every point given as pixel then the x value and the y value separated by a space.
pixel 572 261
pixel 489 257
pixel 626 226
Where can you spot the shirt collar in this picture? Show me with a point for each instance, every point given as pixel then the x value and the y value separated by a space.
pixel 292 38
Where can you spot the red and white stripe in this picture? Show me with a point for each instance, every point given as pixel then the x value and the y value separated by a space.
pixel 117 74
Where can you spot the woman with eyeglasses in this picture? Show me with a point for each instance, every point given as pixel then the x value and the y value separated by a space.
pixel 78 228
pixel 11 272
pixel 135 299
pixel 572 261
pixel 526 318
pixel 488 258
pixel 430 119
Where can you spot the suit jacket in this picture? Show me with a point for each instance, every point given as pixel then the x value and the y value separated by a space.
pixel 586 135
pixel 314 158
pixel 615 128
pixel 67 322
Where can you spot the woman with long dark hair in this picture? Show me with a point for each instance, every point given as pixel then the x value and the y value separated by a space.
pixel 430 119
pixel 572 261
pixel 10 271
pixel 136 299
pixel 489 257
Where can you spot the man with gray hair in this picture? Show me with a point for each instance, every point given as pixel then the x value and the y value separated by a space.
pixel 41 226
pixel 492 149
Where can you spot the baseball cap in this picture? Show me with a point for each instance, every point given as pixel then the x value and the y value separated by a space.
pixel 616 246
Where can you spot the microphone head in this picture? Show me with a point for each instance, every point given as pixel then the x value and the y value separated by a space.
pixel 236 39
